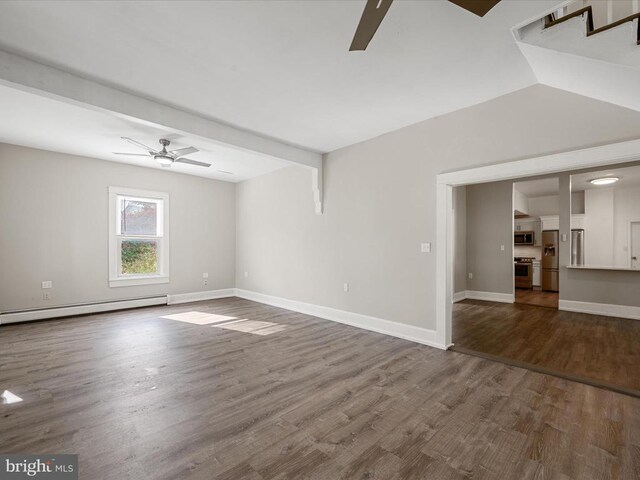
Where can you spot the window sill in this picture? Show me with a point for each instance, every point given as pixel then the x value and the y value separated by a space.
pixel 133 281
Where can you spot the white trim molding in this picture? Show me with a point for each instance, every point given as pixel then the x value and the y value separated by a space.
pixel 387 327
pixel 67 311
pixel 609 310
pixel 490 296
pixel 614 153
pixel 200 296
pixel 459 296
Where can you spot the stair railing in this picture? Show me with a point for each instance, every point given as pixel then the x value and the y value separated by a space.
pixel 563 15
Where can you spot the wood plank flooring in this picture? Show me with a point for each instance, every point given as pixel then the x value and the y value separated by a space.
pixel 273 394
pixel 605 349
pixel 537 297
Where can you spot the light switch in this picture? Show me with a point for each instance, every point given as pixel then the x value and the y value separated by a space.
pixel 205 275
pixel 425 247
pixel 346 287
pixel 564 237
pixel 502 248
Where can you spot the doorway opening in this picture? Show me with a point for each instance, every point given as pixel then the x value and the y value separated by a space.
pixel 536 237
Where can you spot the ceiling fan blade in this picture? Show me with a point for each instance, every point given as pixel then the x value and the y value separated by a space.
pixel 138 144
pixel 181 152
pixel 192 162
pixel 479 7
pixel 374 12
pixel 132 154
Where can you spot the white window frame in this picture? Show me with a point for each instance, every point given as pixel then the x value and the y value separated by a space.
pixel 115 238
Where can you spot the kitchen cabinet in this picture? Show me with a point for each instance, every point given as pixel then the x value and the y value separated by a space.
pixel 577 221
pixel 535 276
pixel 552 222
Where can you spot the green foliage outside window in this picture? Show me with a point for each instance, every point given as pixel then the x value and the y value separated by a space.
pixel 139 257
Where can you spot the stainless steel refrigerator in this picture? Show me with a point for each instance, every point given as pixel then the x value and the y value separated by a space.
pixel 577 247
pixel 549 263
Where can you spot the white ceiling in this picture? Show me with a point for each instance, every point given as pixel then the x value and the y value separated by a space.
pixel 539 188
pixel 629 177
pixel 40 122
pixel 282 68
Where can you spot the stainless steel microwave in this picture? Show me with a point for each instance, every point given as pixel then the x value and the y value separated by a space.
pixel 523 238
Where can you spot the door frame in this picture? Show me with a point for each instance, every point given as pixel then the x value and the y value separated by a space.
pixel 629 251
pixel 611 154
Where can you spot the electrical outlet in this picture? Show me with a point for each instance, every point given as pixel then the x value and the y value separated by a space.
pixel 205 282
pixel 346 287
pixel 246 274
pixel 425 247
pixel 46 296
pixel 470 276
pixel 47 284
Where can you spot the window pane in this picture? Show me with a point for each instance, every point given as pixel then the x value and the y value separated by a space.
pixel 138 217
pixel 139 257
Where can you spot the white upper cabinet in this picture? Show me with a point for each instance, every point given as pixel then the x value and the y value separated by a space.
pixel 552 222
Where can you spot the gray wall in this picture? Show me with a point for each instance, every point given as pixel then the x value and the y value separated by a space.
pixel 380 202
pixel 54 226
pixel 490 226
pixel 460 239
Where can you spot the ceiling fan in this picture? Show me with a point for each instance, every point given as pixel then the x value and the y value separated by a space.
pixel 375 10
pixel 163 157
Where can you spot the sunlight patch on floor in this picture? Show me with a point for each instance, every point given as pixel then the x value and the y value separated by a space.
pixel 198 318
pixel 252 326
pixel 9 398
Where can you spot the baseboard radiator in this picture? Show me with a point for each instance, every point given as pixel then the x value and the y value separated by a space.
pixel 16 316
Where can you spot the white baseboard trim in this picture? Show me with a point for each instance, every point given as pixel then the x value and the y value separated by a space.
pixel 490 296
pixel 622 311
pixel 387 327
pixel 199 296
pixel 459 296
pixel 30 315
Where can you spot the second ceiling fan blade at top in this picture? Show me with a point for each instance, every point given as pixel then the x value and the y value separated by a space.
pixel 374 12
pixel 479 7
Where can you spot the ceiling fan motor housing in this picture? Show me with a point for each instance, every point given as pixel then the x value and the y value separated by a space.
pixel 163 158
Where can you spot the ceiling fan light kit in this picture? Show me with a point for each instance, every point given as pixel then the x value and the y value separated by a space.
pixel 375 11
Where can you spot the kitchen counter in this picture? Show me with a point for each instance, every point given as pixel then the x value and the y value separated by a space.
pixel 597 267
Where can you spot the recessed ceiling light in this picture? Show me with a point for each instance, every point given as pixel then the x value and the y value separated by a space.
pixel 604 180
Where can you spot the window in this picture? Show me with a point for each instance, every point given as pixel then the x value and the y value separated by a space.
pixel 138 237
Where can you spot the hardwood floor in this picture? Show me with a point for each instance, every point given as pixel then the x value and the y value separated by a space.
pixel 537 297
pixel 604 349
pixel 282 395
